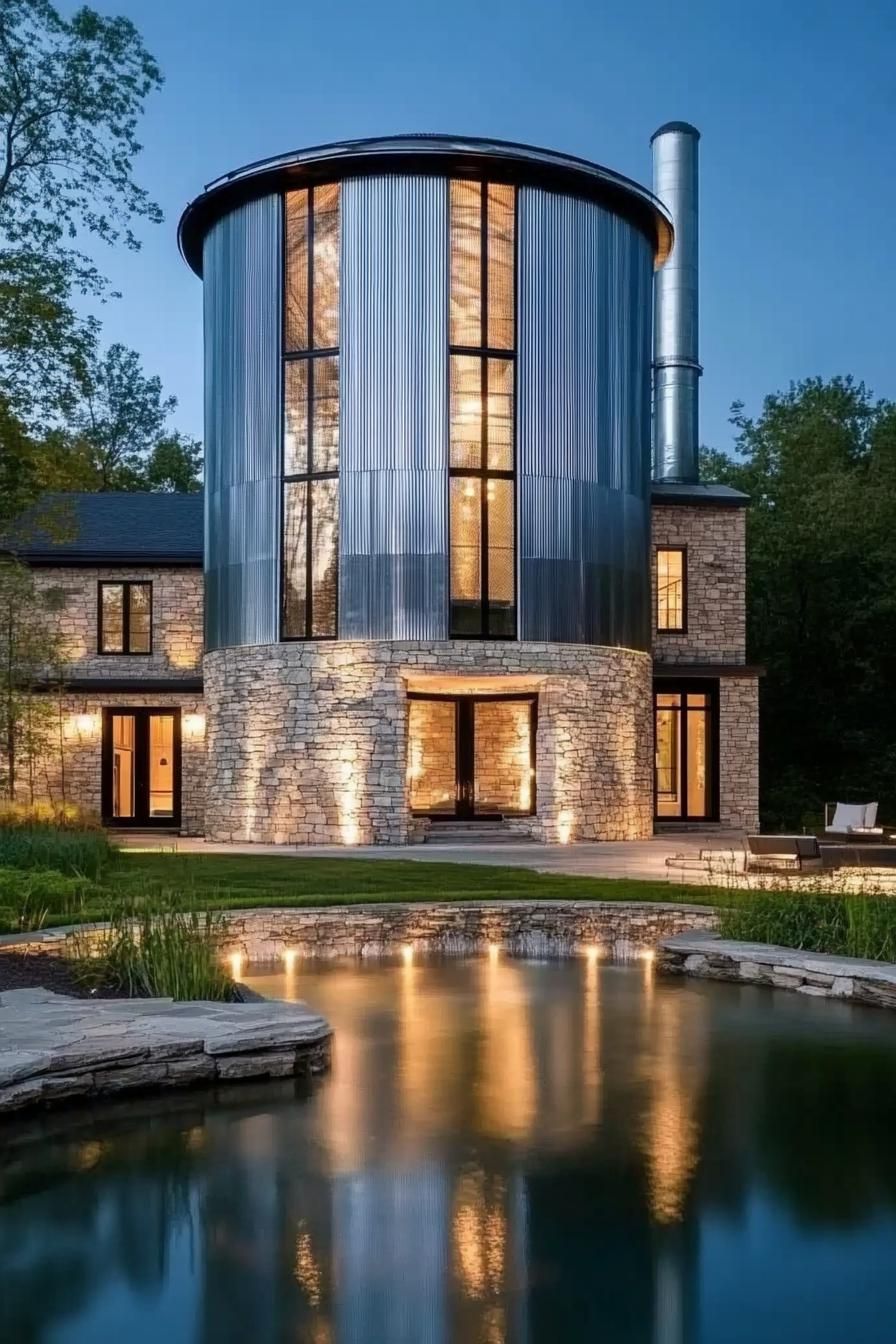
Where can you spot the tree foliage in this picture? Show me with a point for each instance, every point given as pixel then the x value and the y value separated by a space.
pixel 72 91
pixel 120 427
pixel 820 466
pixel 30 656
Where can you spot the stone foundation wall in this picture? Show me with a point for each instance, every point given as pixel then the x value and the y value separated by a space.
pixel 715 539
pixel 308 743
pixel 176 621
pixel 72 772
pixel 739 753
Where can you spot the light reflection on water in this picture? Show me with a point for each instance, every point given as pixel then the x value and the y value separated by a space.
pixel 504 1150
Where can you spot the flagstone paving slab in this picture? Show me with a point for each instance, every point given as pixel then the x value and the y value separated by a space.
pixel 53 1048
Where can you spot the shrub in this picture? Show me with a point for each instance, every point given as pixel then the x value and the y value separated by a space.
pixel 844 924
pixel 83 853
pixel 160 953
pixel 65 816
pixel 29 896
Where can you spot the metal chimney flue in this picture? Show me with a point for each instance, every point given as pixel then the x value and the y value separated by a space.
pixel 676 366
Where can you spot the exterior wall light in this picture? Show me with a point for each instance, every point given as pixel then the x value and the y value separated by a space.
pixel 194 725
pixel 86 724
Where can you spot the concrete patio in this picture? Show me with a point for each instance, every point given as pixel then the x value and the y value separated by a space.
pixel 645 859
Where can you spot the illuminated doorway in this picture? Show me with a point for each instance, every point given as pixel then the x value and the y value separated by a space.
pixel 686 746
pixel 141 767
pixel 471 756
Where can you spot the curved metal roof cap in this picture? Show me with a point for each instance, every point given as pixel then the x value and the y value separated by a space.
pixel 503 159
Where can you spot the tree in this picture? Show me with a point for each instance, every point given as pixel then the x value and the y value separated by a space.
pixel 71 93
pixel 120 429
pixel 820 466
pixel 30 654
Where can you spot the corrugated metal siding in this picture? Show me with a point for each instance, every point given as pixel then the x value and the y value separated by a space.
pixel 583 423
pixel 394 409
pixel 241 267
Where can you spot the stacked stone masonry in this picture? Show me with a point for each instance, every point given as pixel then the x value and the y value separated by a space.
pixel 263 937
pixel 70 767
pixel 308 743
pixel 814 974
pixel 176 621
pixel 715 540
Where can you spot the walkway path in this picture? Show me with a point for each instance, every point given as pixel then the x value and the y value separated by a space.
pixel 644 859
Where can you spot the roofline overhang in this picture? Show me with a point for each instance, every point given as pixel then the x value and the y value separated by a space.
pixel 96 560
pixel 447 155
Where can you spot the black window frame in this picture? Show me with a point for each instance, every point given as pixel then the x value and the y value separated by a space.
pixel 683 687
pixel 483 473
pixel 125 585
pixel 308 356
pixel 671 629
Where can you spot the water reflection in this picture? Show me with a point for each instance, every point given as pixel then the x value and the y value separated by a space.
pixel 504 1151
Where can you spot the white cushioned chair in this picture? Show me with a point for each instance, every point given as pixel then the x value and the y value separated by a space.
pixel 851 819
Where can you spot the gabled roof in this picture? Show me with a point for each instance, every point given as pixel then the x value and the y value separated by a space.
pixel 112 528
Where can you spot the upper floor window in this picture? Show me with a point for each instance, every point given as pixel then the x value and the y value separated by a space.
pixel 671 588
pixel 125 617
pixel 311 413
pixel 481 458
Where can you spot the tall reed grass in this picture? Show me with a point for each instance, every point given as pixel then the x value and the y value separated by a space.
pixel 861 924
pixel 159 953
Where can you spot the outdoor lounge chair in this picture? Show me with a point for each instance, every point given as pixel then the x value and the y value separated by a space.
pixel 852 819
pixel 782 853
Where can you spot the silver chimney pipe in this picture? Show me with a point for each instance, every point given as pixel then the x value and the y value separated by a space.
pixel 676 366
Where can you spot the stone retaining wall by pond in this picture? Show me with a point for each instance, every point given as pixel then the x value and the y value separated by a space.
pixel 712 958
pixel 550 928
pixel 264 937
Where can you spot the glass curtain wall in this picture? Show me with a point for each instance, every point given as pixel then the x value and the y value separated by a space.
pixel 481 463
pixel 311 413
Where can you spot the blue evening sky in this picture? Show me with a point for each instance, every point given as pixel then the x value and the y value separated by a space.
pixel 795 99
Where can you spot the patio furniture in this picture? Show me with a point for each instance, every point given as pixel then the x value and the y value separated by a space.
pixel 853 821
pixel 782 853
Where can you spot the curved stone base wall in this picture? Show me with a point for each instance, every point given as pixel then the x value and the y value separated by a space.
pixel 308 743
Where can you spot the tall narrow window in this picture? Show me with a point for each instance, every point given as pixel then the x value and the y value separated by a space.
pixel 311 413
pixel 481 461
pixel 125 617
pixel 671 586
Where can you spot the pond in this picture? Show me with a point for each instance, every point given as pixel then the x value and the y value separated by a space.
pixel 504 1150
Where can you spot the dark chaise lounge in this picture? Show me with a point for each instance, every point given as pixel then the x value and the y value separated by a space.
pixel 782 852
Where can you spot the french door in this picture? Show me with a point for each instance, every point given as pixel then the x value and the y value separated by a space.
pixel 141 767
pixel 686 745
pixel 471 756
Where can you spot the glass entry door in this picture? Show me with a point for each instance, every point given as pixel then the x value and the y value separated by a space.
pixel 141 767
pixel 471 756
pixel 686 755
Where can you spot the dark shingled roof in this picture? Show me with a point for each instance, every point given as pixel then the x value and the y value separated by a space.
pixel 113 527
pixel 694 492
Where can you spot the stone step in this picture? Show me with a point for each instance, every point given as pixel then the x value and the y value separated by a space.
pixel 472 833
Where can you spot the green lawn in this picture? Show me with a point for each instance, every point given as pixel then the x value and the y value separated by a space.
pixel 226 881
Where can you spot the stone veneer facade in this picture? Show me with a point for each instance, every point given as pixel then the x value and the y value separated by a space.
pixel 176 621
pixel 308 743
pixel 716 572
pixel 715 542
